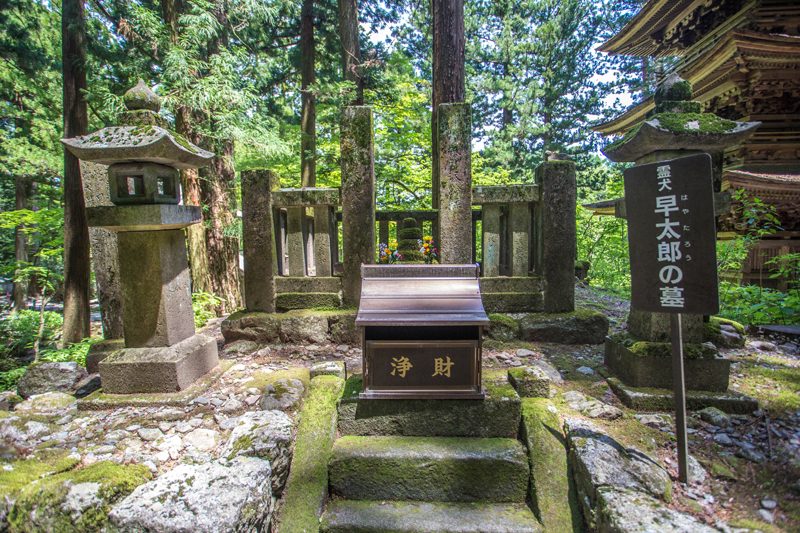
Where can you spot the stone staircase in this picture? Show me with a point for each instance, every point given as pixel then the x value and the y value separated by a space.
pixel 430 466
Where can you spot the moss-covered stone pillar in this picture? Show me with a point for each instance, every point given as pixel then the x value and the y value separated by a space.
pixel 491 239
pixel 322 240
pixel 455 183
pixel 358 197
pixel 383 231
pixel 556 233
pixel 258 237
pixel 520 228
pixel 295 243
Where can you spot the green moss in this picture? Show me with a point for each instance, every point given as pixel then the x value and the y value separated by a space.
pixel 662 349
pixel 183 142
pixel 353 386
pixel 39 504
pixel 503 320
pixel 245 442
pixel 685 123
pixel 754 525
pixel 261 379
pixel 307 486
pixel 674 89
pixel 287 301
pixel 776 389
pixel 552 494
pixel 23 472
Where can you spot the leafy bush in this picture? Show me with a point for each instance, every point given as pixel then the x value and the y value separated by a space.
pixel 19 330
pixel 751 304
pixel 8 380
pixel 73 353
pixel 204 305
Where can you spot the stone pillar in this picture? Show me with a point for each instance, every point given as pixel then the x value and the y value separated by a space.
pixel 557 234
pixel 258 237
pixel 491 240
pixel 383 231
pixel 322 240
pixel 358 197
pixel 520 229
pixel 455 182
pixel 295 243
pixel 157 301
pixel 103 242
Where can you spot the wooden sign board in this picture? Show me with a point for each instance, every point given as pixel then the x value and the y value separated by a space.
pixel 672 236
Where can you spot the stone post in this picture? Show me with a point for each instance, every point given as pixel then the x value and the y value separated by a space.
pixel 491 240
pixel 556 234
pixel 383 232
pixel 322 240
pixel 295 243
pixel 358 197
pixel 519 215
pixel 455 183
pixel 258 237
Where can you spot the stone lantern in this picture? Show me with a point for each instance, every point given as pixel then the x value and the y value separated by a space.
pixel 162 352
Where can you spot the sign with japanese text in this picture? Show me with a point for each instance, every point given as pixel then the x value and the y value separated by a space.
pixel 439 365
pixel 672 236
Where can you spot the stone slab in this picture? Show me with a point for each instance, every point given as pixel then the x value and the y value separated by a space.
pixel 531 382
pixel 620 510
pixel 305 196
pixel 164 369
pixel 636 370
pixel 287 301
pixel 152 217
pixel 307 284
pixel 513 302
pixel 429 469
pixel 350 516
pixel 531 284
pixel 651 399
pixel 497 415
pixel 101 400
pixel 505 194
pixel 582 326
pixel 99 351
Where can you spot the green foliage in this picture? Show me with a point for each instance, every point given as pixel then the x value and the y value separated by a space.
pixel 9 379
pixel 751 304
pixel 20 329
pixel 74 353
pixel 204 306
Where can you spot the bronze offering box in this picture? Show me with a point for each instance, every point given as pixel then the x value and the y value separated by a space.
pixel 421 329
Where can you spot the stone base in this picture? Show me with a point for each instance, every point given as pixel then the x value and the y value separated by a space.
pixel 582 326
pixel 164 369
pixel 101 350
pixel 644 370
pixel 650 399
pixel 288 301
pixel 503 294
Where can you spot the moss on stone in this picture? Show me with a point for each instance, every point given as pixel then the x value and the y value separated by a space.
pixel 39 504
pixel 699 123
pixel 664 349
pixel 15 475
pixel 261 379
pixel 552 493
pixel 307 487
pixel 288 301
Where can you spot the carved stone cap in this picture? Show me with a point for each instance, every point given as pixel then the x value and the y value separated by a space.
pixel 140 96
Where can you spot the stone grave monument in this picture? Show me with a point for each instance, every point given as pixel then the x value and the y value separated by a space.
pixel 161 352
pixel 641 358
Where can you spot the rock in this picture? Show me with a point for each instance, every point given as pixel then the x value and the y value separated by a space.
pixel 203 440
pixel 591 407
pixel 766 516
pixel 304 329
pixel 531 382
pixel 629 511
pixel 723 439
pixel 548 369
pixel 267 435
pixel 751 455
pixel 50 377
pixel 328 368
pixel 585 370
pixel 769 504
pixel 8 399
pixel 731 339
pixel 231 405
pixel 578 327
pixel 214 497
pixel 240 347
pixel 283 394
pixel 87 385
pixel 524 352
pixel 697 474
pixel 48 404
pixel 259 327
pixel 77 500
pixel 600 461
pixel 715 416
pixel 763 346
pixel 503 328
pixel 655 421
pixel 149 434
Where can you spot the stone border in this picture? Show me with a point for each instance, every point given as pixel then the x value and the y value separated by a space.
pixel 307 487
pixel 647 399
pixel 99 400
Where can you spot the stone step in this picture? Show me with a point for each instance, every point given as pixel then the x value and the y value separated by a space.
pixel 498 415
pixel 354 516
pixel 429 469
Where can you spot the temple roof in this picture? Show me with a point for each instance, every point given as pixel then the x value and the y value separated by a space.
pixel 721 69
pixel 669 27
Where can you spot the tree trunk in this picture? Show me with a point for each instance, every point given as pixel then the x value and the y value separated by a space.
pixel 22 188
pixel 308 115
pixel 222 252
pixel 351 51
pixel 448 70
pixel 76 231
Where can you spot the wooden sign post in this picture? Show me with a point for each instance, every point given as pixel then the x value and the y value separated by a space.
pixel 672 239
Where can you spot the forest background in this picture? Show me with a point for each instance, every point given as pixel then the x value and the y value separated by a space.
pixel 262 84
